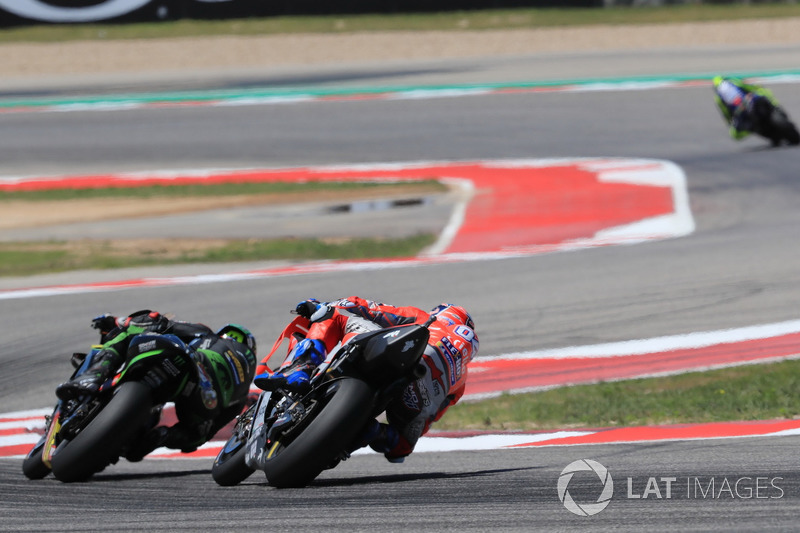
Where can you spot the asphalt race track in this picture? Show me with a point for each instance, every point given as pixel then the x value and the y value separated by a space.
pixel 510 490
pixel 739 268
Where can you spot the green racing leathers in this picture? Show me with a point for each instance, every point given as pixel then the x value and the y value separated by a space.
pixel 225 362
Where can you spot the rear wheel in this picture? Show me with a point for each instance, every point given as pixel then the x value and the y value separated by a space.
pixel 100 443
pixel 323 440
pixel 781 128
pixel 792 135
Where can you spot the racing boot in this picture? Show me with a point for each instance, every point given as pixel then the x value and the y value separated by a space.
pixel 89 382
pixel 150 441
pixel 294 377
pixel 370 433
pixel 188 437
pixel 382 438
pixel 178 437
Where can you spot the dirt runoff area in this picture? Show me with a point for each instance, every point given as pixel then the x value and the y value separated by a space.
pixel 153 56
pixel 29 214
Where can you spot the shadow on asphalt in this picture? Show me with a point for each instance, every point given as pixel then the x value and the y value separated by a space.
pixel 148 475
pixel 420 476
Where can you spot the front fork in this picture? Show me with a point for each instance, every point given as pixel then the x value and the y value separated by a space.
pixel 53 426
pixel 48 443
pixel 255 452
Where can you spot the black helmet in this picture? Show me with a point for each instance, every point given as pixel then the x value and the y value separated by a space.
pixel 147 320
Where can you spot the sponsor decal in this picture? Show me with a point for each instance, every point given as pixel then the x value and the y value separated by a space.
pixel 453 357
pixel 171 369
pixel 423 393
pixel 238 371
pixel 207 392
pixel 147 346
pixel 358 325
pixel 410 398
pixel 407 346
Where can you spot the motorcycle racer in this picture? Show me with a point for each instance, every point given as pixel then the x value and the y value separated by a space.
pixel 225 362
pixel 739 102
pixel 451 346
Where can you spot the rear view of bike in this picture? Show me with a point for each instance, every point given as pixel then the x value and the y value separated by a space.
pixel 87 433
pixel 293 437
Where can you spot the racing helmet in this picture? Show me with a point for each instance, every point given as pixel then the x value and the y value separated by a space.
pixel 454 314
pixel 240 334
pixel 147 320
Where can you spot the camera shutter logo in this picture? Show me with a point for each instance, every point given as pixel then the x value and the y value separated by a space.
pixel 585 509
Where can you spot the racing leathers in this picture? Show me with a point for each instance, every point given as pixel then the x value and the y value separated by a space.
pixel 451 346
pixel 225 362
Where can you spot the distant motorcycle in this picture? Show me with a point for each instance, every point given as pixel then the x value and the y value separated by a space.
pixel 749 108
pixel 293 437
pixel 86 434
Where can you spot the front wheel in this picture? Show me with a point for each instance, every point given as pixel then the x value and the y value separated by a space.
pixel 100 443
pixel 321 443
pixel 33 466
pixel 229 467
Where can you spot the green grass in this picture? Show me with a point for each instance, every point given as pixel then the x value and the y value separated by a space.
pixel 307 249
pixel 20 261
pixel 455 21
pixel 23 259
pixel 757 392
pixel 229 189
